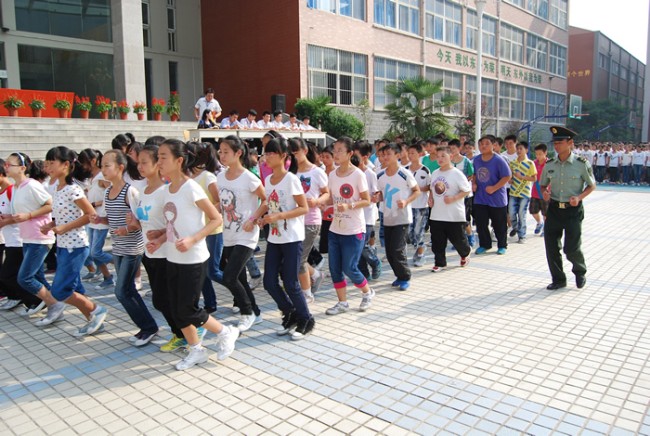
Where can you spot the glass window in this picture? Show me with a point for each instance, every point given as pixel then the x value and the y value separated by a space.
pixel 349 8
pixel 489 33
pixel 488 95
pixel 511 44
pixel 603 61
pixel 556 104
pixel 535 103
pixel 444 21
pixel 538 7
pixel 84 19
pixel 557 59
pixel 623 73
pixel 398 14
pixel 48 69
pixel 536 52
pixel 452 84
pixel 558 13
pixel 519 3
pixel 511 101
pixel 615 66
pixel 390 71
pixel 171 25
pixel 146 39
pixel 341 75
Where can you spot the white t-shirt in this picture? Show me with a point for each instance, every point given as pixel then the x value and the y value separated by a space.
pixel 638 157
pixel 370 213
pixel 202 105
pixel 394 188
pixel 626 159
pixel 312 181
pixel 10 233
pixel 205 179
pixel 280 199
pixel 96 194
pixel 149 212
pixel 348 189
pixel 65 210
pixel 184 218
pixel 261 124
pixel 509 158
pixel 423 178
pixel 238 203
pixel 139 185
pixel 600 158
pixel 27 197
pixel 445 184
pixel 615 159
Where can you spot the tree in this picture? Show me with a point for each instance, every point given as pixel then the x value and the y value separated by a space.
pixel 603 113
pixel 332 120
pixel 414 112
pixel 466 125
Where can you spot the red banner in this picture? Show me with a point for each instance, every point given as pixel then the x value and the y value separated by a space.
pixel 27 96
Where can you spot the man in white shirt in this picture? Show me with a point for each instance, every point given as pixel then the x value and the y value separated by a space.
pixel 265 122
pixel 230 122
pixel 305 124
pixel 249 122
pixel 207 102
pixel 277 120
pixel 293 123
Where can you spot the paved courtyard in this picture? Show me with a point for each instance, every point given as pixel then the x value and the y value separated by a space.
pixel 479 350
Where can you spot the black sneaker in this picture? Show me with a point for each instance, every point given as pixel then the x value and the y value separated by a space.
pixel 303 329
pixel 513 232
pixel 289 321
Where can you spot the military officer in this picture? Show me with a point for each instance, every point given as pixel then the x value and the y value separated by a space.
pixel 566 181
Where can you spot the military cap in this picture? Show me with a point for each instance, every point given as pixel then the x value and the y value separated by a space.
pixel 561 132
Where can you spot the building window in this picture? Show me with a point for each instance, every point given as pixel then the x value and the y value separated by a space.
pixel 444 21
pixel 349 8
pixel 510 101
pixel 489 33
pixel 538 7
pixel 171 25
pixel 452 84
pixel 556 104
pixel 71 18
pixel 341 75
pixel 557 60
pixel 173 76
pixel 632 78
pixel 390 71
pixel 536 52
pixel 623 73
pixel 535 103
pixel 488 95
pixel 146 37
pixel 603 61
pixel 398 14
pixel 615 66
pixel 519 3
pixel 558 13
pixel 511 44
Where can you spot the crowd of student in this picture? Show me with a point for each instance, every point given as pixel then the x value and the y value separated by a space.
pixel 617 163
pixel 192 215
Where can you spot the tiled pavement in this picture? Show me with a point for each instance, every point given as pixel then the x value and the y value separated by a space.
pixel 485 349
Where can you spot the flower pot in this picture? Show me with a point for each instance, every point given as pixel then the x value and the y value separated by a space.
pixel 157 116
pixel 36 113
pixel 85 114
pixel 13 112
pixel 124 116
pixel 173 117
pixel 141 116
pixel 103 115
pixel 63 113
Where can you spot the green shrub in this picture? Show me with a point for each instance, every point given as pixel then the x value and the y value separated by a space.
pixel 334 121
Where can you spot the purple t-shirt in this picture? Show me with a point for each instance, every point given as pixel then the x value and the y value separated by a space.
pixel 488 174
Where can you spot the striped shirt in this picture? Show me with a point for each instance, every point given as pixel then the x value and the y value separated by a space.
pixel 116 209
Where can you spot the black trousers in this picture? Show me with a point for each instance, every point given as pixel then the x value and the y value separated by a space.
pixel 498 216
pixel 395 240
pixel 233 265
pixel 568 223
pixel 157 272
pixel 443 231
pixel 9 277
pixel 184 284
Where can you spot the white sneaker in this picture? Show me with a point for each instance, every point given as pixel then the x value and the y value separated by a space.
pixel 246 322
pixel 255 282
pixel 339 307
pixel 145 338
pixel 138 283
pixel 35 310
pixel 258 319
pixel 10 304
pixel 309 297
pixel 366 300
pixel 235 309
pixel 227 339
pixel 54 314
pixel 194 357
pixel 96 320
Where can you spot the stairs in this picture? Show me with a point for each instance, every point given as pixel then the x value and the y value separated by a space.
pixel 35 136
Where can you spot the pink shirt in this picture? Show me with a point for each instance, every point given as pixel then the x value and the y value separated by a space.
pixel 348 189
pixel 28 197
pixel 536 187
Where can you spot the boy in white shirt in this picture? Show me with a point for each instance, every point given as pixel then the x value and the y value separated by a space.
pixel 249 122
pixel 420 206
pixel 265 122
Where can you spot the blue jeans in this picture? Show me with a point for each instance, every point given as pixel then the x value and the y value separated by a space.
pixel 638 170
pixel 627 172
pixel 368 254
pixel 31 275
pixel 416 229
pixel 213 273
pixel 284 260
pixel 125 269
pixel 97 239
pixel 381 228
pixel 252 267
pixel 67 280
pixel 517 210
pixel 344 253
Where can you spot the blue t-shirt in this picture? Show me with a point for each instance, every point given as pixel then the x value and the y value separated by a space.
pixel 488 174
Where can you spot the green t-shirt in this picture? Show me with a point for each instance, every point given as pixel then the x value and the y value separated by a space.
pixel 431 164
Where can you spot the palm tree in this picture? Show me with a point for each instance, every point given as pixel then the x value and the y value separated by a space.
pixel 414 112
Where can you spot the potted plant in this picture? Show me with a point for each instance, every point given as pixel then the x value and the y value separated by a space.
pixel 12 103
pixel 157 108
pixel 123 108
pixel 83 105
pixel 37 104
pixel 173 106
pixel 102 106
pixel 63 106
pixel 140 108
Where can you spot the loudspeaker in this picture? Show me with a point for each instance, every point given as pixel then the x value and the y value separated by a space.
pixel 278 103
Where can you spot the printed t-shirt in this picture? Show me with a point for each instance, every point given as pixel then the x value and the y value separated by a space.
pixel 394 188
pixel 10 233
pixel 238 203
pixel 64 211
pixel 423 178
pixel 96 194
pixel 205 179
pixel 348 190
pixel 447 184
pixel 488 174
pixel 312 181
pixel 518 187
pixel 279 198
pixel 149 212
